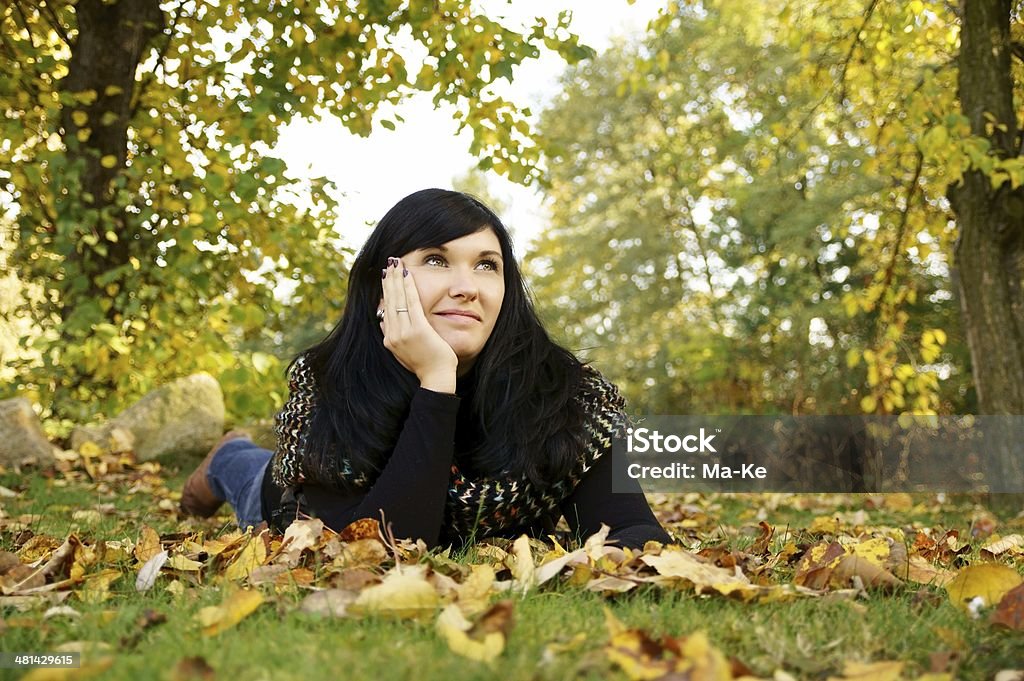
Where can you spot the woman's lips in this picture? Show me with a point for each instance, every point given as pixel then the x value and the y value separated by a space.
pixel 459 317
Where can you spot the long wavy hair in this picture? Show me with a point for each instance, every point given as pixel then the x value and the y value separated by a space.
pixel 519 415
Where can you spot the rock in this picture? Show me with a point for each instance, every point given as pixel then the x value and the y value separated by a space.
pixel 181 418
pixel 21 436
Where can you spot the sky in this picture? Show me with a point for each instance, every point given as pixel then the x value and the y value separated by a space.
pixel 373 173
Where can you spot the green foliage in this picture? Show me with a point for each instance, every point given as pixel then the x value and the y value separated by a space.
pixel 197 242
pixel 747 216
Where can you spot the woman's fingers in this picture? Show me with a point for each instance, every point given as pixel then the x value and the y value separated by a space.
pixel 394 298
pixel 412 295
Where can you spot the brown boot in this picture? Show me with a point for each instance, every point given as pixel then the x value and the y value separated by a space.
pixel 196 496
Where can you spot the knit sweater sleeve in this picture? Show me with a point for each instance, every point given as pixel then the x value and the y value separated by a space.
pixel 292 423
pixel 592 502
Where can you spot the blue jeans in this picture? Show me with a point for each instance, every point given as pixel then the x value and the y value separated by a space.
pixel 236 476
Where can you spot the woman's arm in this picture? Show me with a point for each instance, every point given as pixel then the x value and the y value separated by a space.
pixel 628 514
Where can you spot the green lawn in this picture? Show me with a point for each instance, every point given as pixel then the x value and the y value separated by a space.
pixel 809 638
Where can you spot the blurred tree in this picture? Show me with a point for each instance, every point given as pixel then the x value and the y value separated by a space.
pixel 743 221
pixel 134 149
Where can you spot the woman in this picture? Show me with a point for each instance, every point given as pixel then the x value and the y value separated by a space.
pixel 437 403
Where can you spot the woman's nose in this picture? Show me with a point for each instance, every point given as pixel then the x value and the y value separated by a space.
pixel 463 284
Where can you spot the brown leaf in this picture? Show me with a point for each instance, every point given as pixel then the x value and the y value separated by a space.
pixel 814 569
pixel 764 540
pixel 192 669
pixel 20 578
pixel 8 561
pixel 148 545
pixel 364 528
pixel 853 568
pixel 1010 611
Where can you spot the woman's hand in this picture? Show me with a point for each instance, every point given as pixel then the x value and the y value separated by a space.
pixel 409 336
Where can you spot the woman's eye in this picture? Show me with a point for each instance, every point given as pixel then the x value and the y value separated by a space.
pixel 433 260
pixel 489 265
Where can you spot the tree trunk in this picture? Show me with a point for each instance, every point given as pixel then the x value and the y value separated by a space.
pixel 990 247
pixel 105 56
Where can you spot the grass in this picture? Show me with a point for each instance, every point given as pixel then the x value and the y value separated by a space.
pixel 808 638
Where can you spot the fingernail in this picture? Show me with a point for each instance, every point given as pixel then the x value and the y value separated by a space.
pixel 383 274
pixel 393 262
pixel 405 272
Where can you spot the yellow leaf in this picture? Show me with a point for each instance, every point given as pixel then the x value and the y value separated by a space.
pixel 248 559
pixel 235 608
pixel 404 593
pixel 475 590
pixel 97 586
pixel 80 118
pixel 180 562
pixel 523 570
pixel 874 550
pixel 989 582
pixel 870 671
pixel 108 161
pixel 458 632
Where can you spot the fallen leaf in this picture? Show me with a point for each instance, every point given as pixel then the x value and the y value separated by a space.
pixel 148 544
pixel 677 564
pixel 97 586
pixel 329 602
pixel 988 582
pixel 364 528
pixel 150 571
pixel 763 541
pixel 252 555
pixel 685 657
pixel 482 641
pixel 1010 611
pixel 852 569
pixel 300 535
pixel 523 570
pixel 192 669
pixel 1013 543
pixel 556 648
pixel 404 593
pixel 61 611
pixel 183 563
pixel 814 569
pixel 236 607
pixel 870 671
pixel 475 591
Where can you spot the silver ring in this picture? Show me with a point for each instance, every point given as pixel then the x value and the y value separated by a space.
pixel 401 309
pixel 380 315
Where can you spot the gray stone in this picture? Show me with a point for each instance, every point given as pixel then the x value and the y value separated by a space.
pixel 21 436
pixel 184 417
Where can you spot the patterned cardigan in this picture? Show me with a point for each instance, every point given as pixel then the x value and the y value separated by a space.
pixel 484 505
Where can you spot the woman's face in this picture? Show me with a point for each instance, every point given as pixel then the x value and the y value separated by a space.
pixel 461 285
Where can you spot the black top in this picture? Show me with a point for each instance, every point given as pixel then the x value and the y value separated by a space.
pixel 413 485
